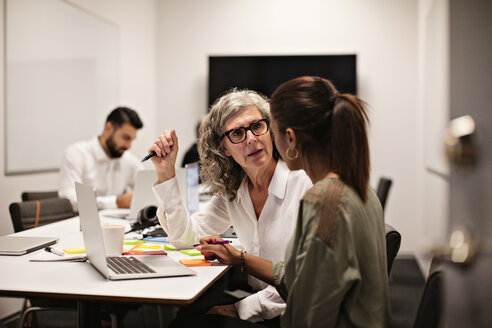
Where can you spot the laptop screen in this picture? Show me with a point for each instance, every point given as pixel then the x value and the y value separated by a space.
pixel 91 227
pixel 192 189
pixel 143 195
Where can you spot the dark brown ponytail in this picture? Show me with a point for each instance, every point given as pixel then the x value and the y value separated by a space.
pixel 348 147
pixel 330 126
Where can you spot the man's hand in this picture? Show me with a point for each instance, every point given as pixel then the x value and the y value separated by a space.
pixel 124 201
pixel 225 310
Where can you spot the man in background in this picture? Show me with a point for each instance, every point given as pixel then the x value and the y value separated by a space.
pixel 104 163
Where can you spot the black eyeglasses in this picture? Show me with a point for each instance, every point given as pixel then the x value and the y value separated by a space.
pixel 238 135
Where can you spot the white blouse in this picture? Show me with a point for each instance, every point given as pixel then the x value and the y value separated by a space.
pixel 266 236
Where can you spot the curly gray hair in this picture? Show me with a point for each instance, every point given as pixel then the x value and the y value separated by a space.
pixel 220 173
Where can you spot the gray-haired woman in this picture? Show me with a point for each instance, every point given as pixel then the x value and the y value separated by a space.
pixel 252 190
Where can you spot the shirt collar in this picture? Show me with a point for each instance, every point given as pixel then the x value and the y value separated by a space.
pixel 278 184
pixel 99 153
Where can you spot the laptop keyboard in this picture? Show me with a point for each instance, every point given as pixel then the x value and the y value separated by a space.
pixel 127 265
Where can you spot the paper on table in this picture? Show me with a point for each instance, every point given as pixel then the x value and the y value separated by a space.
pixel 73 258
pixel 150 246
pixel 143 247
pixel 170 247
pixel 74 250
pixel 126 248
pixel 157 239
pixel 141 252
pixel 195 262
pixel 191 252
pixel 147 249
pixel 133 242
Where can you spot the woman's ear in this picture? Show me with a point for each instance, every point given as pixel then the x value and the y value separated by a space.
pixel 225 150
pixel 291 138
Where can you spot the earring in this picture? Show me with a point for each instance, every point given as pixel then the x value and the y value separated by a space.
pixel 291 158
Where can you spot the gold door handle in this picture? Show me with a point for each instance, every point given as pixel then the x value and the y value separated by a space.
pixel 460 141
pixel 460 250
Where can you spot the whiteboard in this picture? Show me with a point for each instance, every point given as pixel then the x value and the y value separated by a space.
pixel 61 81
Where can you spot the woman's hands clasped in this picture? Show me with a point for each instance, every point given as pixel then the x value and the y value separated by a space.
pixel 166 149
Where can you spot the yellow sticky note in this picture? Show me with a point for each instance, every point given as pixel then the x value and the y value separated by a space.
pixel 75 250
pixel 150 246
pixel 191 252
pixel 170 247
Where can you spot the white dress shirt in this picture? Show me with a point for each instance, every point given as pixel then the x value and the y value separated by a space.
pixel 87 162
pixel 266 236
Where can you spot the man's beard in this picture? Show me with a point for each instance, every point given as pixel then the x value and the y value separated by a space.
pixel 111 145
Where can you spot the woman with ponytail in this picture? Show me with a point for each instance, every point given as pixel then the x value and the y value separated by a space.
pixel 334 273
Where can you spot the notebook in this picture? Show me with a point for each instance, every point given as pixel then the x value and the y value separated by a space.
pixel 118 267
pixel 19 245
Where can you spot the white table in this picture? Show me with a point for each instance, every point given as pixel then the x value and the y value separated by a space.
pixel 79 280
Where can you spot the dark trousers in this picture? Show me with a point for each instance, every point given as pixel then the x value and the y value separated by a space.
pixel 215 295
pixel 212 321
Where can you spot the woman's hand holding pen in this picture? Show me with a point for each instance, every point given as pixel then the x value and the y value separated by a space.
pixel 224 253
pixel 166 150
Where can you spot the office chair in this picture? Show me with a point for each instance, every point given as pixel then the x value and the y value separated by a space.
pixel 28 214
pixel 382 190
pixel 25 214
pixel 393 241
pixel 430 311
pixel 38 195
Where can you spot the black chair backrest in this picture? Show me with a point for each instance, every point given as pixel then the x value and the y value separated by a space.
pixel 383 189
pixel 38 195
pixel 23 214
pixel 393 241
pixel 430 311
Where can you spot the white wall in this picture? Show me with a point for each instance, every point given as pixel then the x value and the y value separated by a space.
pixel 136 23
pixel 383 34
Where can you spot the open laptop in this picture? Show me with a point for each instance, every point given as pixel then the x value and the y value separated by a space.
pixel 118 267
pixel 188 182
pixel 143 195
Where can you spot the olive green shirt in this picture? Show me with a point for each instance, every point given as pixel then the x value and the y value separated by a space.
pixel 335 273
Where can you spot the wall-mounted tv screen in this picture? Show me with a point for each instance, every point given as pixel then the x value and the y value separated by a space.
pixel 266 73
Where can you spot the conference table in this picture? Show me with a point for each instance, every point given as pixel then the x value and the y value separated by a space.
pixel 20 277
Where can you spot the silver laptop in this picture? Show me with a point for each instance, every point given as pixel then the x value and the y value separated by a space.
pixel 20 245
pixel 188 182
pixel 143 195
pixel 118 267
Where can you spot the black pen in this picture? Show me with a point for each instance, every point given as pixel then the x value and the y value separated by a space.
pixel 54 251
pixel 149 155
